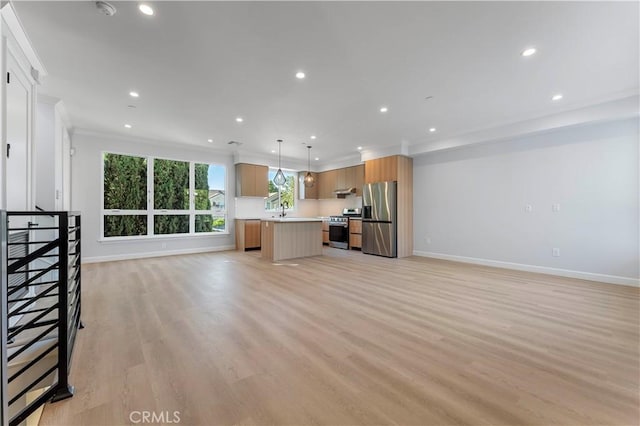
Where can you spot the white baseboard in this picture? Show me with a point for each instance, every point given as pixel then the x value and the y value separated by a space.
pixel 610 279
pixel 131 256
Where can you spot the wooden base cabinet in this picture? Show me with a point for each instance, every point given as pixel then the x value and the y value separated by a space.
pixel 355 233
pixel 247 234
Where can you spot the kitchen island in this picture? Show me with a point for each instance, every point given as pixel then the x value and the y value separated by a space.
pixel 290 238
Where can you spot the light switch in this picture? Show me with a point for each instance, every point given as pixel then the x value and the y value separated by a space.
pixel 528 208
pixel 555 207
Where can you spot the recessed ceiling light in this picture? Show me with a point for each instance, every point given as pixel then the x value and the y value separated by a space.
pixel 359 148
pixel 529 51
pixel 300 75
pixel 239 119
pixel 384 109
pixel 146 9
pixel 134 94
pixel 210 140
pixel 313 136
pixel 128 126
pixel 433 129
pixel 557 97
pixel 317 158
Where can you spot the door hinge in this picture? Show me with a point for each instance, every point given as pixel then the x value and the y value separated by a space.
pixel 8 78
pixel 8 149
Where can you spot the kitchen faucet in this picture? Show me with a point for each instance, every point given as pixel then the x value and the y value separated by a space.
pixel 283 214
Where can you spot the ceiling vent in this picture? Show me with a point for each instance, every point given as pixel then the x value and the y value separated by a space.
pixel 106 8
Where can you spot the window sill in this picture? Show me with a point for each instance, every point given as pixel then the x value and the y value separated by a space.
pixel 139 238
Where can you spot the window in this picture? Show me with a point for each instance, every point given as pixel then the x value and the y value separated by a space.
pixel 210 200
pixel 125 195
pixel 170 196
pixel 146 196
pixel 284 194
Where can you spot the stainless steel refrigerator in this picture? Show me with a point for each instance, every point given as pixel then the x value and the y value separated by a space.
pixel 379 219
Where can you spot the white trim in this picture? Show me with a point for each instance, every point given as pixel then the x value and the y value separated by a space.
pixel 3 132
pixel 17 30
pixel 590 276
pixel 613 110
pixel 142 238
pixel 131 256
pixel 195 148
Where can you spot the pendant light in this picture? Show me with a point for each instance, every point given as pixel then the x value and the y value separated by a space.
pixel 279 178
pixel 309 180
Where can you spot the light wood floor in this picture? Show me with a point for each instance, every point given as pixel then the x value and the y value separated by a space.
pixel 346 339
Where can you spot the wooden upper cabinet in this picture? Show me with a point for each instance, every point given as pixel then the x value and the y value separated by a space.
pixel 381 169
pixel 327 184
pixel 252 180
pixel 308 193
pixel 358 178
pixel 348 177
pixel 262 181
pixel 341 178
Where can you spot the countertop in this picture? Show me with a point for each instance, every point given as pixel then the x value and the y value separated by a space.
pixel 291 219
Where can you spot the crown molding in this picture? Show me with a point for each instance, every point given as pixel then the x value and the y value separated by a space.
pixel 15 27
pixel 607 111
pixel 144 141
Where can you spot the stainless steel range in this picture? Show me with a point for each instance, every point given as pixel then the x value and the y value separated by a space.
pixel 339 232
pixel 339 228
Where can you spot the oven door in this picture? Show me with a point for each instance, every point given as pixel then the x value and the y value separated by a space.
pixel 339 236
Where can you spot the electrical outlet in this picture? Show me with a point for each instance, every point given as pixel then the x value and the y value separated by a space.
pixel 555 252
pixel 555 207
pixel 528 208
pixel 164 245
pixel 427 240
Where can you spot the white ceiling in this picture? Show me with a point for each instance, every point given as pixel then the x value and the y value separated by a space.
pixel 198 65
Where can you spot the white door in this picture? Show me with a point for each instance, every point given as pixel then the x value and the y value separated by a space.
pixel 18 136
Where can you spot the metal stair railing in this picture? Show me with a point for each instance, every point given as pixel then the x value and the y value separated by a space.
pixel 40 308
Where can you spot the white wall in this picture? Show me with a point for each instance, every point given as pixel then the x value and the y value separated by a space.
pixel 86 182
pixel 45 156
pixel 469 203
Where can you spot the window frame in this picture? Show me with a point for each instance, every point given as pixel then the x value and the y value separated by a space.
pixel 151 212
pixel 291 209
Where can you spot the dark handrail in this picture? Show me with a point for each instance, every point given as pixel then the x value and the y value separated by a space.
pixel 40 209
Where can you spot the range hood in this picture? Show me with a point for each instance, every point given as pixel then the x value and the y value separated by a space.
pixel 343 192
